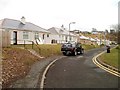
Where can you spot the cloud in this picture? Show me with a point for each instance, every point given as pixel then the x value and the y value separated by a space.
pixel 3 4
pixel 49 13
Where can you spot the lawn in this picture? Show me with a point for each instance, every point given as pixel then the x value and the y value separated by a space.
pixel 112 57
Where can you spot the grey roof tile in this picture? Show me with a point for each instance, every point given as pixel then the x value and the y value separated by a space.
pixel 16 24
pixel 55 30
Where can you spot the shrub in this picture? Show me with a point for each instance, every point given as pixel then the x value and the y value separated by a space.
pixel 118 47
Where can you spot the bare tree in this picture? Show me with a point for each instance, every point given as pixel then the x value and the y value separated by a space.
pixel 116 35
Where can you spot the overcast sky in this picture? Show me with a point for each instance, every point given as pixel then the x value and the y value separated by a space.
pixel 87 14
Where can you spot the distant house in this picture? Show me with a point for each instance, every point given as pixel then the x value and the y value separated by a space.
pixel 20 32
pixel 95 32
pixel 61 35
pixel 84 40
pixel 87 40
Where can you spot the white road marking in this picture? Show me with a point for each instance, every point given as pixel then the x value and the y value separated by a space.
pixel 45 72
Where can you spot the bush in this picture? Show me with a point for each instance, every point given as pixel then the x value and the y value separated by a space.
pixel 118 47
pixel 102 45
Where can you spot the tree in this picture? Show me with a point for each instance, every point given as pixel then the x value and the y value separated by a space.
pixel 116 36
pixel 94 29
pixel 106 31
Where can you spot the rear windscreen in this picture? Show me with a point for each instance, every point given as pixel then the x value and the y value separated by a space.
pixel 67 45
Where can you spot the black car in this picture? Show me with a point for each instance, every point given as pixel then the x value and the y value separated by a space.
pixel 72 49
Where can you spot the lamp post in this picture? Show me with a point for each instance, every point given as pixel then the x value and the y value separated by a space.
pixel 69 28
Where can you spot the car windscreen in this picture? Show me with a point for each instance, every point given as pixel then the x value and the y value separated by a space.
pixel 67 45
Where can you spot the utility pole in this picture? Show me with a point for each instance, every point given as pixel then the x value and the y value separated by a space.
pixel 69 29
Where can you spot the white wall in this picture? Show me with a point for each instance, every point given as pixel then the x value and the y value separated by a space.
pixel 31 37
pixel 54 37
pixel 62 38
pixel 47 40
pixel 20 39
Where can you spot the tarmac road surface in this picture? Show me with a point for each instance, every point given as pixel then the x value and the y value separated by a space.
pixel 79 72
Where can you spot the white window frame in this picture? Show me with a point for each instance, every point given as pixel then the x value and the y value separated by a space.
pixel 36 35
pixel 25 35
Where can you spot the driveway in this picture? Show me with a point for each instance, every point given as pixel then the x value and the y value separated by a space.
pixel 79 72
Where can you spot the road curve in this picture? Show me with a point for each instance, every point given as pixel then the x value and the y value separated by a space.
pixel 79 72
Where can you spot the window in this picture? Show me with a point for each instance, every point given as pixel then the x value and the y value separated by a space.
pixel 70 38
pixel 47 35
pixel 43 36
pixel 25 35
pixel 66 38
pixel 62 37
pixel 36 35
pixel 53 41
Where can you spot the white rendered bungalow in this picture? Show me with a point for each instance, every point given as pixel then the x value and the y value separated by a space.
pixel 22 32
pixel 60 35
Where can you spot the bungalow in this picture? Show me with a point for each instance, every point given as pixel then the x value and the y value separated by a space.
pixel 84 40
pixel 20 32
pixel 88 40
pixel 61 35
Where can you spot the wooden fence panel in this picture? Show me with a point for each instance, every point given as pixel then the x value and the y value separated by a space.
pixel 5 38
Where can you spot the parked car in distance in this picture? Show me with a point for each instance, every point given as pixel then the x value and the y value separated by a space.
pixel 72 48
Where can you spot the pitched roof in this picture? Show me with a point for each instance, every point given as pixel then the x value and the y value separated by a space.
pixel 16 24
pixel 55 30
pixel 84 37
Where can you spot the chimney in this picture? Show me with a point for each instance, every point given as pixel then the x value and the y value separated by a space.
pixel 62 27
pixel 23 20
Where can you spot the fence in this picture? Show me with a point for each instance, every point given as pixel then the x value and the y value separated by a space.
pixel 27 44
pixel 5 38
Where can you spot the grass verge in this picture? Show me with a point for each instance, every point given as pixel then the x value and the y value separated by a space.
pixel 112 58
pixel 47 50
pixel 88 47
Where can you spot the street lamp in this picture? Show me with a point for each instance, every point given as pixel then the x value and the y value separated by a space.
pixel 69 28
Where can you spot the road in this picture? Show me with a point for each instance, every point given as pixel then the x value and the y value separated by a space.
pixel 79 72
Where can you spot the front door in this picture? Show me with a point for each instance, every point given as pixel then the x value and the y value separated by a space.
pixel 15 37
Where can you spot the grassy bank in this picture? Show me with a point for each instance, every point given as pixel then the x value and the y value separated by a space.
pixel 88 47
pixel 47 50
pixel 112 58
pixel 16 63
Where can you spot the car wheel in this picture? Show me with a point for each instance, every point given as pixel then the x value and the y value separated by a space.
pixel 82 51
pixel 75 53
pixel 67 53
pixel 64 53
